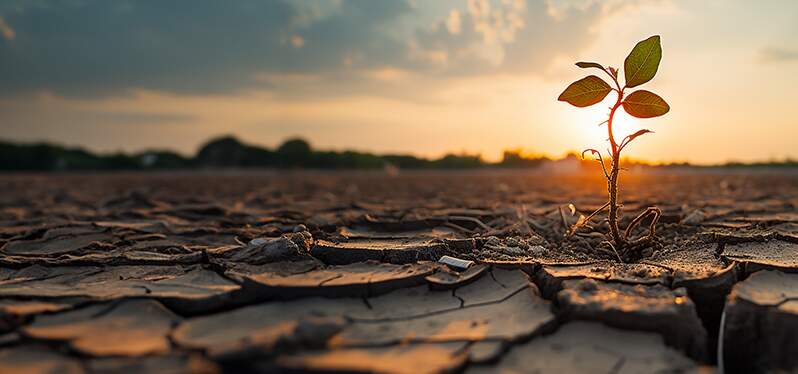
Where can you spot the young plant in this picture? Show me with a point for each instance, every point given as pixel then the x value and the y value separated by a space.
pixel 639 67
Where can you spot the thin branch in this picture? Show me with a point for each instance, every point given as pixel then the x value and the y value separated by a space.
pixel 609 243
pixel 604 169
pixel 614 79
pixel 628 139
pixel 587 219
pixel 600 161
pixel 650 211
pixel 624 142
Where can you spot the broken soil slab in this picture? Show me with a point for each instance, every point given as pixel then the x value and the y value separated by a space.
pixel 265 250
pixel 364 279
pixel 446 279
pixel 698 267
pixel 760 324
pixel 520 316
pixel 397 251
pixel 401 359
pixel 499 284
pixel 142 226
pixel 582 347
pixel 186 289
pixel 108 257
pixel 769 218
pixel 692 261
pixel 550 277
pixel 101 248
pixel 9 338
pixel 14 312
pixel 484 352
pixel 768 254
pixel 35 359
pixel 62 245
pixel 131 328
pixel 362 232
pixel 654 308
pixel 408 303
pixel 267 329
pixel 170 363
pixel 415 314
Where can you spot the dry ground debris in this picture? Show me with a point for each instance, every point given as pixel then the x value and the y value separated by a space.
pixel 305 271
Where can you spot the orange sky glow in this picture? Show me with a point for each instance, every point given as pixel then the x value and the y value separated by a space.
pixel 471 76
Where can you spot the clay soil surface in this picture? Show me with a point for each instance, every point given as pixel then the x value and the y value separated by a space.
pixel 340 271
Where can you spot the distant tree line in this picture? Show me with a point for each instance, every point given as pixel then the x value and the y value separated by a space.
pixel 225 152
pixel 229 152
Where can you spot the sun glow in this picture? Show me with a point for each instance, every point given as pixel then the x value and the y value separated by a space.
pixel 623 124
pixel 588 134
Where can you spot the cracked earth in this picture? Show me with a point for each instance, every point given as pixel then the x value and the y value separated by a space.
pixel 298 272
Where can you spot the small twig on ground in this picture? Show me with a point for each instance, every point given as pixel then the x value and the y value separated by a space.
pixel 537 225
pixel 587 219
pixel 458 227
pixel 470 219
pixel 609 244
pixel 523 218
pixel 650 211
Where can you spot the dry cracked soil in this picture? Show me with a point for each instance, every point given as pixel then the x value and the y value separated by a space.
pixel 210 272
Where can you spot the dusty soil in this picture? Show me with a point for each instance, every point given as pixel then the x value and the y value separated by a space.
pixel 312 271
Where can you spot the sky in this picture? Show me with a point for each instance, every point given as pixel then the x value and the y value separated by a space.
pixel 395 76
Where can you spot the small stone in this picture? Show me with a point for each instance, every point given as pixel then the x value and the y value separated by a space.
pixel 456 262
pixel 264 250
pixel 445 279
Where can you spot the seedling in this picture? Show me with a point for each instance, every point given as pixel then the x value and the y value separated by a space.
pixel 639 67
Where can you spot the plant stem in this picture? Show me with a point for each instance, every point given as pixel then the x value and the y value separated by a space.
pixel 612 183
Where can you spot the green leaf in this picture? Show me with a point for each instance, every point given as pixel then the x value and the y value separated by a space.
pixel 585 92
pixel 642 63
pixel 645 104
pixel 587 65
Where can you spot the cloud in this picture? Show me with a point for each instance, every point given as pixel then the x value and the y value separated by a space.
pixel 99 47
pixel 509 36
pixel 453 22
pixel 778 54
pixel 297 41
pixel 6 31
